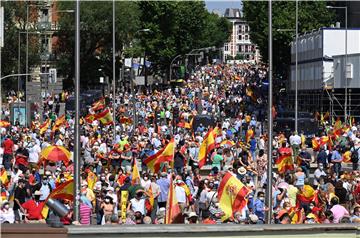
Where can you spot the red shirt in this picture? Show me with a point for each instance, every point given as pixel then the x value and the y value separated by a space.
pixel 33 209
pixel 209 221
pixel 8 145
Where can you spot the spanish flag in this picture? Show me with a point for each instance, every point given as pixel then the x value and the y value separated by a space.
pixel 232 195
pixel 284 163
pixel 98 105
pixel 4 123
pixel 306 195
pixel 164 155
pixel 151 196
pixel 59 122
pixel 125 120
pixel 45 126
pixel 4 177
pixel 228 143
pixel 206 147
pixel 249 134
pixel 315 144
pixel 91 179
pixel 105 117
pixel 90 118
pixel 64 191
pixel 173 211
pixel 347 157
pixel 135 177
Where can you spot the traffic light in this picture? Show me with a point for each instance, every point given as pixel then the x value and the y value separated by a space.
pixel 52 76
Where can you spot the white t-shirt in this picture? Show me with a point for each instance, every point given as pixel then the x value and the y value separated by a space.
pixel 138 205
pixel 34 153
pixel 180 194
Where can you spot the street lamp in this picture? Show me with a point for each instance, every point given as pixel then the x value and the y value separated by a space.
pixel 345 65
pixel 145 71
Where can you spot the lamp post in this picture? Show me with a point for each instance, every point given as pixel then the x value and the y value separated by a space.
pixel 114 82
pixel 345 64
pixel 145 71
pixel 270 122
pixel 77 116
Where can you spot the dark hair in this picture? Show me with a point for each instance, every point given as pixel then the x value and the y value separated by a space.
pixel 334 201
pixel 260 193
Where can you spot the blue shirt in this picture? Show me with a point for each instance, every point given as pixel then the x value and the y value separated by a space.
pixel 336 157
pixel 164 185
pixel 253 144
pixel 259 207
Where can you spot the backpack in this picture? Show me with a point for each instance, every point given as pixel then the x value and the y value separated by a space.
pixel 355 156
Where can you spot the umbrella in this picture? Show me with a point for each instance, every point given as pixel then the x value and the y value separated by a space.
pixel 55 153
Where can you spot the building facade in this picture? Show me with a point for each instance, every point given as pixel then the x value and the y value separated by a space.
pixel 321 71
pixel 239 45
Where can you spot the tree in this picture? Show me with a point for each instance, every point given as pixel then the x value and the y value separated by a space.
pixel 14 22
pixel 312 15
pixel 96 38
pixel 177 28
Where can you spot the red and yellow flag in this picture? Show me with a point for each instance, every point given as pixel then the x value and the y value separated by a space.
pixel 306 195
pixel 173 211
pixel 45 126
pixel 59 122
pixel 232 195
pixel 347 157
pixel 151 196
pixel 90 118
pixel 4 177
pixel 105 117
pixel 4 123
pixel 91 179
pixel 315 144
pixel 164 155
pixel 64 191
pixel 125 120
pixel 284 163
pixel 135 177
pixel 98 105
pixel 249 134
pixel 228 143
pixel 206 147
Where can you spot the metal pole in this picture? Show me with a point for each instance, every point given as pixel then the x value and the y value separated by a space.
pixel 145 71
pixel 296 68
pixel 77 115
pixel 27 40
pixel 346 80
pixel 114 82
pixel 0 81
pixel 270 125
pixel 18 82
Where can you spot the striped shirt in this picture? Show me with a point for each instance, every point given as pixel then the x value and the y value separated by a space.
pixel 85 214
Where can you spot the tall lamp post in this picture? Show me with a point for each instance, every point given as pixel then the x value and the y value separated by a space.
pixel 345 64
pixel 145 71
pixel 114 82
pixel 270 122
pixel 77 116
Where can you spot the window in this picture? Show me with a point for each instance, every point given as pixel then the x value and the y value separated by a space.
pixel 246 37
pixel 226 47
pixel 239 37
pixel 246 29
pixel 243 48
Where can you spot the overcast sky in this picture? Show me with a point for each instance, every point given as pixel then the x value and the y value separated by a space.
pixel 220 6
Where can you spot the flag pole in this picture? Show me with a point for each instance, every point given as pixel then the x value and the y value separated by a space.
pixel 270 124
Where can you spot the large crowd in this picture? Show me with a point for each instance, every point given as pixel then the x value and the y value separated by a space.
pixel 310 185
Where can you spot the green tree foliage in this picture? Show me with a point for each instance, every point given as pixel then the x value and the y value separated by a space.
pixel 312 15
pixel 96 37
pixel 178 27
pixel 14 22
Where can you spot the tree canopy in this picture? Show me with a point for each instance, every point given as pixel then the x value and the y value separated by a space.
pixel 312 15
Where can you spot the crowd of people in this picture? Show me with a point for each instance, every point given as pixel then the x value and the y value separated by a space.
pixel 233 96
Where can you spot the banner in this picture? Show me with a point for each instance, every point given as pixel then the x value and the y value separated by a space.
pixel 124 198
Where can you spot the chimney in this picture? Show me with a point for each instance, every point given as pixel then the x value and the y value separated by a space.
pixel 337 24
